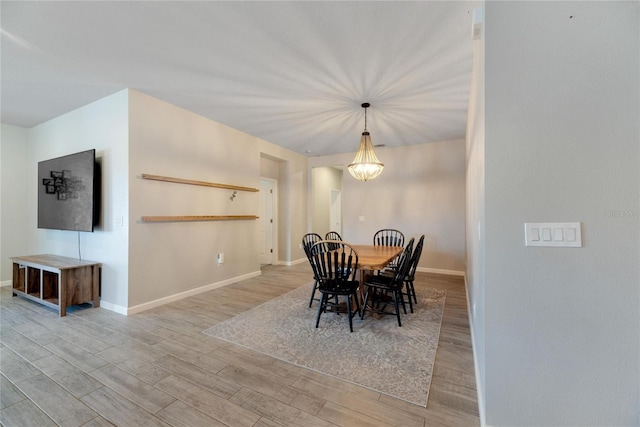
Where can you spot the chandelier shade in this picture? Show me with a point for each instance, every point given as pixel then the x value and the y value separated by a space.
pixel 365 165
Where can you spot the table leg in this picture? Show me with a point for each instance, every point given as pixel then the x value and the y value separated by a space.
pixel 361 274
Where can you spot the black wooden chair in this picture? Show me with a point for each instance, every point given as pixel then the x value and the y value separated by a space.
pixel 410 290
pixel 335 270
pixel 379 286
pixel 308 240
pixel 333 235
pixel 389 237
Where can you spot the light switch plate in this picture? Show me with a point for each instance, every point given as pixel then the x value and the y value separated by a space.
pixel 558 234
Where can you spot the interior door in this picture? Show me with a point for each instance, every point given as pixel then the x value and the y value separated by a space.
pixel 266 228
pixel 335 212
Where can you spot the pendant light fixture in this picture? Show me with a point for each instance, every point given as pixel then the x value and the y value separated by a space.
pixel 366 165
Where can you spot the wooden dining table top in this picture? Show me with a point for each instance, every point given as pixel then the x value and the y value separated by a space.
pixel 375 257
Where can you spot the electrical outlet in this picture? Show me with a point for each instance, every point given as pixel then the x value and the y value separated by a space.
pixel 221 258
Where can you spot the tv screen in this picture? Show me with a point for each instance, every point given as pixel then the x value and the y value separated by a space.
pixel 67 192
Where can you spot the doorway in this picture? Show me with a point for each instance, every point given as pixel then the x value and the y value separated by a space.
pixel 267 227
pixel 326 199
pixel 335 212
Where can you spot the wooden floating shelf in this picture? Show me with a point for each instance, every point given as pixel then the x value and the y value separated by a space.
pixel 201 183
pixel 183 218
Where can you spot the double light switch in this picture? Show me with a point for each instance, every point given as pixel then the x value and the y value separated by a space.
pixel 567 234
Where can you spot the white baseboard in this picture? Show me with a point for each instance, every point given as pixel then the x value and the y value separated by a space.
pixel 113 307
pixel 162 301
pixel 6 283
pixel 476 366
pixel 294 262
pixel 440 271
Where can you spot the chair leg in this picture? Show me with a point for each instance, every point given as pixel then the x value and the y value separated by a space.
pixel 413 292
pixel 321 306
pixel 395 302
pixel 313 292
pixel 409 295
pixel 349 313
pixel 404 308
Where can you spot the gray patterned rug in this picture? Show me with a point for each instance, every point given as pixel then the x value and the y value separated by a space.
pixel 379 355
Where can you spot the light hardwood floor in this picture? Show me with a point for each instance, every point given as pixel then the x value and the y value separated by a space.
pixel 97 368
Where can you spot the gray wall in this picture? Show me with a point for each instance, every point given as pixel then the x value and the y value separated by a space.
pixel 562 325
pixel 420 191
pixel 293 195
pixel 475 215
pixel 13 193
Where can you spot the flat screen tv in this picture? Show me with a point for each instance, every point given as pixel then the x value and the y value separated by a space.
pixel 68 190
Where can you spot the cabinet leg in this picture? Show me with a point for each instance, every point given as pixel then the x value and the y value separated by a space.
pixel 96 286
pixel 62 293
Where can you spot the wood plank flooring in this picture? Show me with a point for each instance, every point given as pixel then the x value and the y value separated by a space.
pixel 97 368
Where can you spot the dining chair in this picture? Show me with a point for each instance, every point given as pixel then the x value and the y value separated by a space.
pixel 333 235
pixel 409 289
pixel 411 274
pixel 379 286
pixel 389 237
pixel 308 240
pixel 336 274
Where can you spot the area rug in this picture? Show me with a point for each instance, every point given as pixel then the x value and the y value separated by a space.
pixel 379 355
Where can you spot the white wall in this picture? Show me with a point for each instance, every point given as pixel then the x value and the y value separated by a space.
pixel 102 125
pixel 147 264
pixel 323 180
pixel 175 257
pixel 420 191
pixel 562 325
pixel 475 222
pixel 179 258
pixel 13 194
pixel 269 168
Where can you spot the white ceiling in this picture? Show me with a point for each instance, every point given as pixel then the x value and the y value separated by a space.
pixel 292 73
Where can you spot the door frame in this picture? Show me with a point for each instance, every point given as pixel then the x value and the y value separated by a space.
pixel 333 191
pixel 274 229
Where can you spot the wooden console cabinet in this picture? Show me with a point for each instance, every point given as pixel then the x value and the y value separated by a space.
pixel 56 281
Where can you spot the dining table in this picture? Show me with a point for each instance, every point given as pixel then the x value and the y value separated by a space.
pixel 372 258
